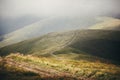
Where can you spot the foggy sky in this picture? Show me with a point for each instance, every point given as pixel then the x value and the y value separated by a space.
pixel 15 9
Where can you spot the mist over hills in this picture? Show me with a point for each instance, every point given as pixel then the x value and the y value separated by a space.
pixel 44 26
pixel 91 54
pixel 56 24
pixel 107 24
pixel 60 40
pixel 9 25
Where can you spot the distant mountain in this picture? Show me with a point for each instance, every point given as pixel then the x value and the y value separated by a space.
pixel 8 25
pixel 44 26
pixel 108 23
pixel 101 43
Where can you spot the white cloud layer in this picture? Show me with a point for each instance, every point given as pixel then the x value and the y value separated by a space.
pixel 41 8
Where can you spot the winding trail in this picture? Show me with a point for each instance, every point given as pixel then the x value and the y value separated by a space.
pixel 63 45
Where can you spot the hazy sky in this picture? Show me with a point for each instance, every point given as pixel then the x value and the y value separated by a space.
pixel 15 9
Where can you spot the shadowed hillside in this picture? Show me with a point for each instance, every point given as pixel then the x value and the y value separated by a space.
pixel 102 43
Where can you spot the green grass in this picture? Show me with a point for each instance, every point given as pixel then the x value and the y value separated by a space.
pixel 95 70
pixel 101 43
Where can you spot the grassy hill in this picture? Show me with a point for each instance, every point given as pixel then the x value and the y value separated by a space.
pixel 44 26
pixel 107 23
pixel 91 54
pixel 55 24
pixel 101 43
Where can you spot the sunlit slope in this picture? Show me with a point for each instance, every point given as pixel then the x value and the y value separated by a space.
pixel 44 26
pixel 107 23
pixel 102 43
pixel 21 67
pixel 41 45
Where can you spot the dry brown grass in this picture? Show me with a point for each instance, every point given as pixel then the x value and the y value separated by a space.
pixel 60 68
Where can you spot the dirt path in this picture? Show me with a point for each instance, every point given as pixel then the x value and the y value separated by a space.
pixel 36 69
pixel 43 72
pixel 63 46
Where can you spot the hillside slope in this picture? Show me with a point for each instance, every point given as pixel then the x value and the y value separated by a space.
pixel 55 24
pixel 44 26
pixel 102 43
pixel 21 67
pixel 107 23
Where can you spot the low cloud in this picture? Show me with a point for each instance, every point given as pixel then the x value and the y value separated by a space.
pixel 43 8
pixel 15 14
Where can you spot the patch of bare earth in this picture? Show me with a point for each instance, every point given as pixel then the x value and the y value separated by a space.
pixel 44 73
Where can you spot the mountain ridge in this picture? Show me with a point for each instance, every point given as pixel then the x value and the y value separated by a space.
pixel 102 43
pixel 108 23
pixel 55 24
pixel 44 26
